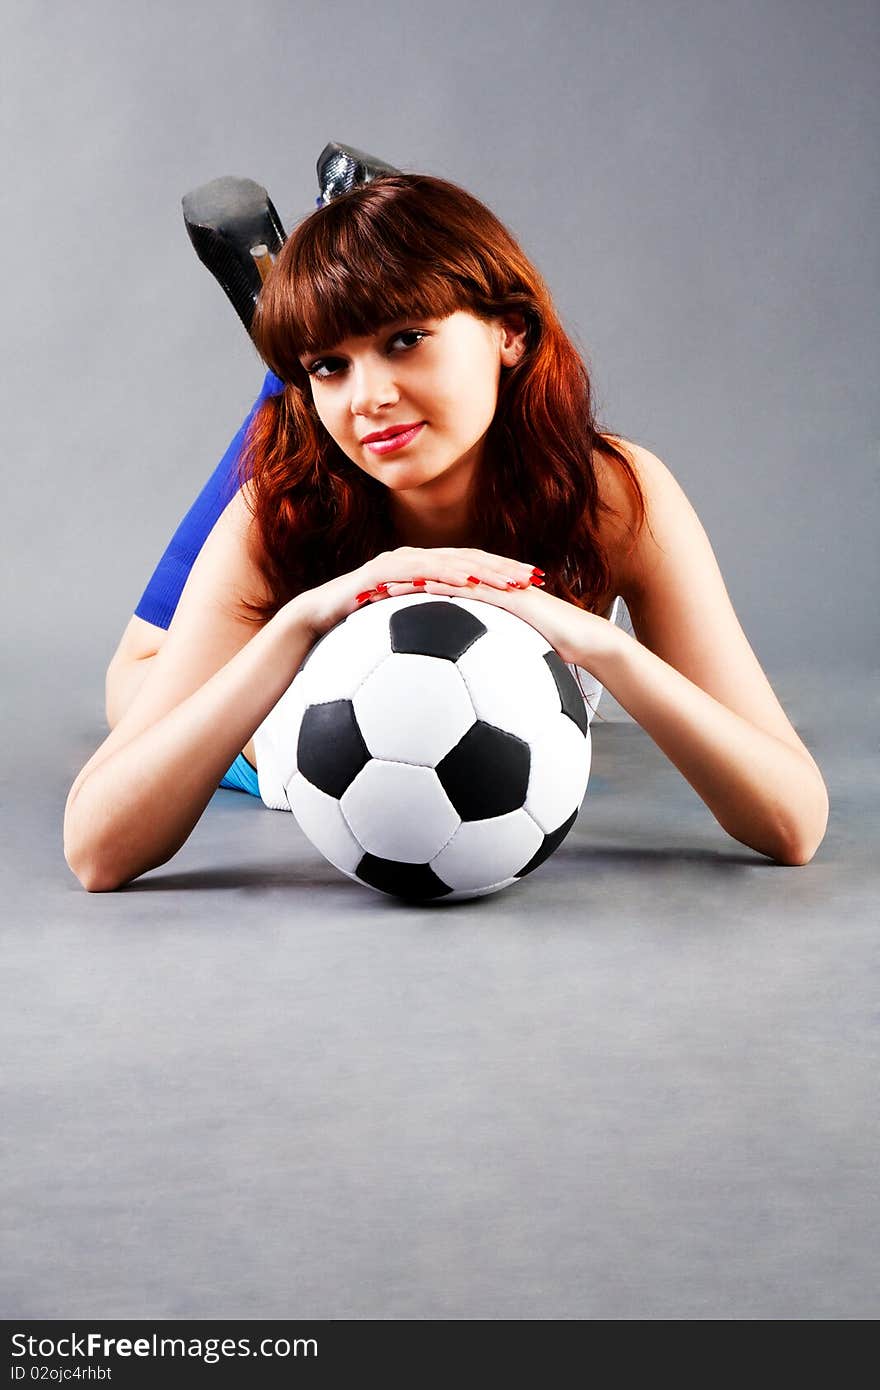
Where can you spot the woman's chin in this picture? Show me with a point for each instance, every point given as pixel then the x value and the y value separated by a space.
pixel 405 472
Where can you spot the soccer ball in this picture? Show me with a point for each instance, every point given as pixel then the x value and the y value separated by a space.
pixel 431 748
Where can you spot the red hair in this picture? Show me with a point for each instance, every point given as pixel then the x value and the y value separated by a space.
pixel 413 246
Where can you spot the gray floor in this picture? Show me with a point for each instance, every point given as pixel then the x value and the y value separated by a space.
pixel 641 1084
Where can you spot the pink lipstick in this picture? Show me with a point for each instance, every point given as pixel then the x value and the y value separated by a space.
pixel 397 441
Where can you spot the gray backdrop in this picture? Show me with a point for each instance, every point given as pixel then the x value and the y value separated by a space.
pixel 245 1086
pixel 697 182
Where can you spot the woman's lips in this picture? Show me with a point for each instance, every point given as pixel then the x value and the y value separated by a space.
pixel 397 441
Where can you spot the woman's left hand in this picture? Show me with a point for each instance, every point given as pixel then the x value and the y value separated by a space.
pixel 578 637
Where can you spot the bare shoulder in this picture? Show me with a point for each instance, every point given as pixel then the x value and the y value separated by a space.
pixel 622 530
pixel 640 544
pixel 227 569
pixel 678 600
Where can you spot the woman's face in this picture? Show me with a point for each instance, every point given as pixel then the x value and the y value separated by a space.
pixel 441 374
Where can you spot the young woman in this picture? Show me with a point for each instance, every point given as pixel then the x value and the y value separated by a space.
pixel 405 306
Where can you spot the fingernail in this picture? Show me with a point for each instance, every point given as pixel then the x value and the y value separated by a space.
pixel 419 582
pixel 381 588
pixel 364 595
pixel 535 570
pixel 472 579
pixel 538 583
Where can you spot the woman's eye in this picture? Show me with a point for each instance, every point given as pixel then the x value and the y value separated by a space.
pixel 318 369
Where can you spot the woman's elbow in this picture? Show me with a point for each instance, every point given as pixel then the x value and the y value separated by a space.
pixel 802 853
pixel 808 835
pixel 101 867
pixel 794 859
pixel 88 873
pixel 86 867
pixel 93 882
pixel 81 857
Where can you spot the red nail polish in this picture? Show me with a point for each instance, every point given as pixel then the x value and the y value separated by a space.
pixel 364 595
pixel 419 582
pixel 381 588
pixel 535 570
pixel 538 583
pixel 472 579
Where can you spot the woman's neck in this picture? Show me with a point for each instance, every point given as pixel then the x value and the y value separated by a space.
pixel 437 513
pixel 427 537
pixel 429 527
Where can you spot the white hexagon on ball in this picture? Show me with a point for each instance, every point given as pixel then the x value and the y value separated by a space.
pixel 510 684
pixel 413 709
pixel 488 850
pixel 400 812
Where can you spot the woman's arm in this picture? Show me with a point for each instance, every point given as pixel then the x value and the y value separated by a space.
pixel 130 666
pixel 689 677
pixel 692 681
pixel 761 790
pixel 214 680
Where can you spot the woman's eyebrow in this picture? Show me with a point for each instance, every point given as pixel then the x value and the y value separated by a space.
pixel 380 333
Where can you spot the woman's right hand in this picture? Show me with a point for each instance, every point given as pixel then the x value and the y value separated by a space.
pixel 328 604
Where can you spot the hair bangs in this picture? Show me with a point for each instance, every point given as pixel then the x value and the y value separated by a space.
pixel 341 275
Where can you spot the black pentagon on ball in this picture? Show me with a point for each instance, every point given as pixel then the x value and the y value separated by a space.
pixel 486 773
pixel 550 843
pixel 434 629
pixel 331 751
pixel 570 697
pixel 414 881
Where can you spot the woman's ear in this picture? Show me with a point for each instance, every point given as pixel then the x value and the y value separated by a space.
pixel 513 332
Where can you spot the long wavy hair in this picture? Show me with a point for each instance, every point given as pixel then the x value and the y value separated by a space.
pixel 414 246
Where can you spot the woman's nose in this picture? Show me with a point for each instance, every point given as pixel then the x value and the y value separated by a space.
pixel 372 386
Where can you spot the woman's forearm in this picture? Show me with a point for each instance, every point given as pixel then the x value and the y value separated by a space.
pixel 133 811
pixel 760 790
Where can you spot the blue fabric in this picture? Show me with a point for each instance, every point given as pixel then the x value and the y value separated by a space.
pixel 241 777
pixel 161 596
